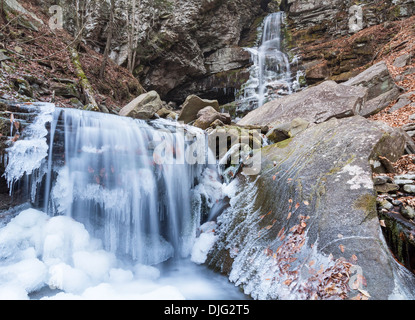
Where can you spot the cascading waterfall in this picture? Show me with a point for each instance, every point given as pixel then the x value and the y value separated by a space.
pixel 271 72
pixel 114 189
pixel 102 171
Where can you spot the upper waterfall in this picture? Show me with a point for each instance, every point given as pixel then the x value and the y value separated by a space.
pixel 270 75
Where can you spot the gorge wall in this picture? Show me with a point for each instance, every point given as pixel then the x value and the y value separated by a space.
pixel 196 47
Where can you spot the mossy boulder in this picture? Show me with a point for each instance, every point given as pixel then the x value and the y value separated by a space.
pixel 306 227
pixel 143 107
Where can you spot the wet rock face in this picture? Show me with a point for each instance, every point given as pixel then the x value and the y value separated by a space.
pixel 308 223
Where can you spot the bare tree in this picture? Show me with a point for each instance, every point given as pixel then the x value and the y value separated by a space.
pixel 2 12
pixel 109 39
pixel 131 33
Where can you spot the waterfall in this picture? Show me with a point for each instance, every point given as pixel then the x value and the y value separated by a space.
pixel 105 172
pixel 270 75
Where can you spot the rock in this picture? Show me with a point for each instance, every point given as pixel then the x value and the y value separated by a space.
pixel 381 88
pixel 3 57
pixel 23 87
pixel 387 187
pixel 66 90
pixel 193 105
pixel 376 78
pixel 226 59
pixel 143 107
pixel 409 188
pixel 402 102
pixel 378 180
pixel 287 130
pixel 34 23
pixel 76 103
pixel 208 115
pixel 406 176
pixel 268 248
pixel 408 212
pixel 402 61
pixel 315 105
pixel 409 71
pixel 385 204
pixel 379 103
pixel 217 123
pixel 316 71
pixel 167 114
pixel 402 182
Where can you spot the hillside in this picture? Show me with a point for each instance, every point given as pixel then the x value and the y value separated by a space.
pixel 36 66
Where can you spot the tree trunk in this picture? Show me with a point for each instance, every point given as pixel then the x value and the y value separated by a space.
pixel 83 80
pixel 3 18
pixel 109 40
pixel 131 36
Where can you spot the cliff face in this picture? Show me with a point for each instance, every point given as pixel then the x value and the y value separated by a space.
pixel 204 56
pixel 182 47
pixel 334 38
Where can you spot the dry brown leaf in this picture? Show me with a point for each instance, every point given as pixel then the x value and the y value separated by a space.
pixel 288 282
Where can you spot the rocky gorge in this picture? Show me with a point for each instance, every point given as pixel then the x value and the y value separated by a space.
pixel 330 214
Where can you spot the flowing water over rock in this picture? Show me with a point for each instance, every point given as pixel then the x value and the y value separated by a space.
pixel 120 199
pixel 271 75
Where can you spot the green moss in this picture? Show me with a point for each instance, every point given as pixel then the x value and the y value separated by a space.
pixel 367 203
pixel 284 144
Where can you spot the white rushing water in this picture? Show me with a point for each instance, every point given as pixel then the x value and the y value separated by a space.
pixel 270 75
pixel 113 201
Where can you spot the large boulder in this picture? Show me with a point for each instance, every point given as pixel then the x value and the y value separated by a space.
pixel 193 105
pixel 143 107
pixel 382 89
pixel 315 105
pixel 208 115
pixel 307 226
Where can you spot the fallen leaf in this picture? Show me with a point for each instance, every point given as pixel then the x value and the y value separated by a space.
pixel 354 258
pixel 364 292
pixel 289 215
pixel 274 177
pixel 288 282
pixel 297 206
pixel 382 223
pixel 290 200
pixel 341 248
pixel 306 203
